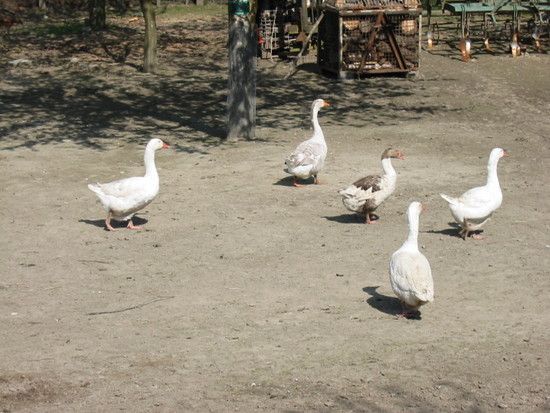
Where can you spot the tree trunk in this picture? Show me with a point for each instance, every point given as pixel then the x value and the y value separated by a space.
pixel 96 14
pixel 42 4
pixel 241 100
pixel 121 6
pixel 150 48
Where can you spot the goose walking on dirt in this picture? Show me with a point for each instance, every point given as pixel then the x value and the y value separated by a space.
pixel 474 207
pixel 123 198
pixel 366 194
pixel 410 272
pixel 309 157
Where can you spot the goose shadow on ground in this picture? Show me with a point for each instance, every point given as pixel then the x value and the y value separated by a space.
pixel 454 231
pixel 346 219
pixel 351 218
pixel 100 223
pixel 289 181
pixel 386 304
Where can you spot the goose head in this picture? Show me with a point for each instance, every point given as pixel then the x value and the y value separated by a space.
pixel 319 103
pixel 416 207
pixel 156 144
pixel 393 153
pixel 498 153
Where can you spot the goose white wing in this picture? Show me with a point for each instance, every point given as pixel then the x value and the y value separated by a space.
pixel 477 197
pixel 358 193
pixel 122 188
pixel 307 153
pixel 411 277
pixel 476 204
pixel 354 197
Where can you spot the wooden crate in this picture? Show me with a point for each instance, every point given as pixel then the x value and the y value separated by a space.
pixel 370 37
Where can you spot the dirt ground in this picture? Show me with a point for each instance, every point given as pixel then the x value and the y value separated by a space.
pixel 244 293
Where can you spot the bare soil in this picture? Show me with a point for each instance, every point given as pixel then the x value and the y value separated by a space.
pixel 244 293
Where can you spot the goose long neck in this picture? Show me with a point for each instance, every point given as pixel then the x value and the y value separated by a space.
pixel 388 167
pixel 412 238
pixel 317 132
pixel 492 177
pixel 149 160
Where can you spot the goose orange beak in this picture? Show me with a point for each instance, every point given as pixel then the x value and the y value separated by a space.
pixel 325 103
pixel 505 153
pixel 165 145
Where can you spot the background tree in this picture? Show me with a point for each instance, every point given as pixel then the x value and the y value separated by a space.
pixel 241 99
pixel 96 14
pixel 150 48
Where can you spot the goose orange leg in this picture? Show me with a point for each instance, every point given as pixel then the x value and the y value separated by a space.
pixel 132 226
pixel 108 223
pixel 296 184
pixel 370 218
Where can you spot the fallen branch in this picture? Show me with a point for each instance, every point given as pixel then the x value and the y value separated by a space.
pixel 134 307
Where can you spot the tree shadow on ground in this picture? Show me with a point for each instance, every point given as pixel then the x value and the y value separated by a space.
pixel 97 101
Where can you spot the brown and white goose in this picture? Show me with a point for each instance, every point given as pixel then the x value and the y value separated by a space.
pixel 366 194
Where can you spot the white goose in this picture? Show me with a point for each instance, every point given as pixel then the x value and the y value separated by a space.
pixel 123 198
pixel 410 272
pixel 309 157
pixel 474 207
pixel 366 194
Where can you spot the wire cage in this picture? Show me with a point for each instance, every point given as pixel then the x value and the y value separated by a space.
pixel 268 34
pixel 362 37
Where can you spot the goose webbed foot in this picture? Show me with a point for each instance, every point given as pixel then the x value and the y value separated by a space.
pixel 108 225
pixel 464 233
pixel 132 226
pixel 409 315
pixel 371 218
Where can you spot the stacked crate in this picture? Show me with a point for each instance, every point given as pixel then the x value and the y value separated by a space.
pixel 361 37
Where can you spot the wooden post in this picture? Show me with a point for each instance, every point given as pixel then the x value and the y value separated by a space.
pixel 304 19
pixel 241 100
pixel 150 47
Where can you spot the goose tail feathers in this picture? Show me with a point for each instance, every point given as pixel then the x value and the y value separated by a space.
pixel 449 199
